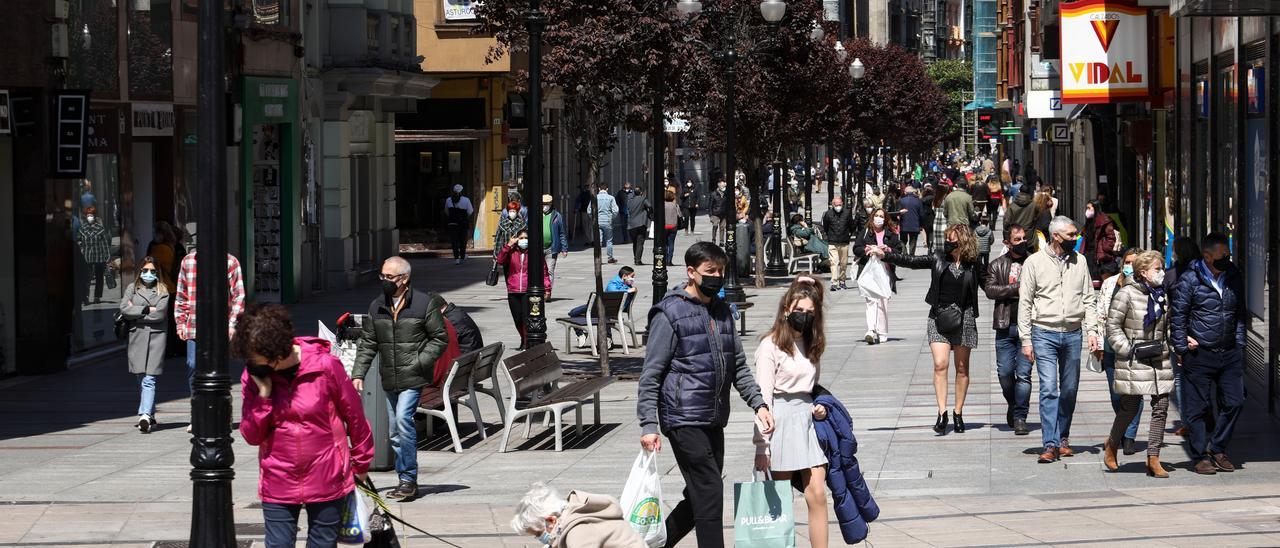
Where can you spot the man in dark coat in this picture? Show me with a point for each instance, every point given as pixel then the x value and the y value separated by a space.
pixel 469 336
pixel 912 212
pixel 838 226
pixel 406 330
pixel 1207 323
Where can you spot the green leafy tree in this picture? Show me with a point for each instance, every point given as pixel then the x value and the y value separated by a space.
pixel 955 77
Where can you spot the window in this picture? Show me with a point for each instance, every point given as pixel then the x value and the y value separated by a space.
pixel 371 34
pixel 95 229
pixel 93 29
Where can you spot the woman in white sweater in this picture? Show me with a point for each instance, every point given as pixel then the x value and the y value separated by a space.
pixel 787 370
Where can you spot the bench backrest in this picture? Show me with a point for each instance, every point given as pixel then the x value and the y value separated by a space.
pixel 460 371
pixel 487 362
pixel 612 304
pixel 532 368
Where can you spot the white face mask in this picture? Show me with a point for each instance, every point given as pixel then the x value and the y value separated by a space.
pixel 511 214
pixel 1158 279
pixel 869 210
pixel 88 218
pixel 878 221
pixel 546 209
pixel 838 208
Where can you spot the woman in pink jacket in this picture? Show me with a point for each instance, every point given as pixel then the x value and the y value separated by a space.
pixel 305 416
pixel 515 256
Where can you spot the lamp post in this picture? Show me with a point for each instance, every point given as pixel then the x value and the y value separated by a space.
pixel 657 196
pixel 856 71
pixel 772 11
pixel 808 184
pixel 212 521
pixel 535 319
pixel 775 267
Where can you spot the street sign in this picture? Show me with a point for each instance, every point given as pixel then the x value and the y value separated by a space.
pixel 1055 103
pixel 1059 133
pixel 1035 134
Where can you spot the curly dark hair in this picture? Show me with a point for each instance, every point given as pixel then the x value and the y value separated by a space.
pixel 265 330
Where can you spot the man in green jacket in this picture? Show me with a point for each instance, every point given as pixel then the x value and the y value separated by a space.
pixel 406 330
pixel 958 206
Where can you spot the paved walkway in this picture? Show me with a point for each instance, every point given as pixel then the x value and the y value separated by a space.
pixel 73 471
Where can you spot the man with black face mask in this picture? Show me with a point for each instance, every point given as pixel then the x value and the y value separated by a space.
pixel 1012 368
pixel 693 355
pixel 406 330
pixel 1208 331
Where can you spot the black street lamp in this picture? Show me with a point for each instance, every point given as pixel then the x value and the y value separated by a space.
pixel 212 521
pixel 776 267
pixel 772 11
pixel 535 319
pixel 808 184
pixel 657 197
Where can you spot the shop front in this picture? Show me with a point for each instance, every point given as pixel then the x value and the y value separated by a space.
pixel 269 189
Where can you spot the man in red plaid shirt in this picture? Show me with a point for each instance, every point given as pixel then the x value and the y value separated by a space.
pixel 184 308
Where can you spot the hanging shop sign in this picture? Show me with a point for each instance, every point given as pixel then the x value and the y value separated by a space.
pixel 1104 52
pixel 153 120
pixel 72 117
pixel 459 10
pixel 105 126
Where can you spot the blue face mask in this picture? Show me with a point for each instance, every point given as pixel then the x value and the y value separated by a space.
pixel 1128 270
pixel 149 277
pixel 545 538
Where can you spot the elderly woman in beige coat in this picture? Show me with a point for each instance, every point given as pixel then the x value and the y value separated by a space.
pixel 1139 314
pixel 581 520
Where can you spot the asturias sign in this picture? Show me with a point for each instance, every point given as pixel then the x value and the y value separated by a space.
pixel 1104 52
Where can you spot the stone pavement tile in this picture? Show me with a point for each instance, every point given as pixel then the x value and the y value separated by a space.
pixel 74 530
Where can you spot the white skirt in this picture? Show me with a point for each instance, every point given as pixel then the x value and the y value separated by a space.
pixel 794 444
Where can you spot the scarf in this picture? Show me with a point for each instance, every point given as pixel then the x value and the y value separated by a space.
pixel 1155 305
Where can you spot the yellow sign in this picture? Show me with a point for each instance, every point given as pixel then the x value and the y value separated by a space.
pixel 1104 52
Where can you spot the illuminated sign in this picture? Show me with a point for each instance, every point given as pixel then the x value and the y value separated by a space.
pixel 1104 52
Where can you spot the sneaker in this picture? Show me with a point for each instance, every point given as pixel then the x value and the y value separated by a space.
pixel 870 338
pixel 613 260
pixel 144 424
pixel 188 428
pixel 882 338
pixel 406 491
pixel 582 340
pixel 834 288
pixel 843 286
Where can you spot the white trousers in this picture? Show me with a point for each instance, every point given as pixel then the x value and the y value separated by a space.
pixel 878 316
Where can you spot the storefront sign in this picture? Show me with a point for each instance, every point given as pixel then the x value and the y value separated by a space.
pixel 153 120
pixel 459 10
pixel 72 119
pixel 105 127
pixel 1104 52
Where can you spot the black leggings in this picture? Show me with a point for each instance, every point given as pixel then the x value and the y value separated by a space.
pixel 699 451
pixel 519 304
pixel 910 239
pixel 638 236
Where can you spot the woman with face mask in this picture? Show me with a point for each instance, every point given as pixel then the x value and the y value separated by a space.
pixel 579 520
pixel 514 256
pixel 146 307
pixel 1136 330
pixel 1100 235
pixel 952 327
pixel 787 367
pixel 1112 282
pixel 879 232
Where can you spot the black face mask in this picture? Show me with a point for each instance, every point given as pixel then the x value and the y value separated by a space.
pixel 1020 249
pixel 801 321
pixel 1221 264
pixel 950 247
pixel 259 370
pixel 389 290
pixel 710 285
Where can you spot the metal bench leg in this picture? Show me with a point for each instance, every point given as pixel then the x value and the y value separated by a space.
pixel 742 322
pixel 559 429
pixel 568 347
pixel 451 421
pixel 506 433
pixel 622 334
pixel 597 409
pixel 475 410
pixel 577 426
pixel 528 425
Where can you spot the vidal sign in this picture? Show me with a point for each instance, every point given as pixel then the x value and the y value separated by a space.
pixel 1104 51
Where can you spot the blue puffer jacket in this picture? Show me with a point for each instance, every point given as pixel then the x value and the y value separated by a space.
pixel 1216 320
pixel 705 358
pixel 854 506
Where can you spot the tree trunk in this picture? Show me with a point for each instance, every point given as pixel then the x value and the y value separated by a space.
pixel 602 342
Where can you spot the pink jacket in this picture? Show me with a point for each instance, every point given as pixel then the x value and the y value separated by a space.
pixel 302 430
pixel 517 262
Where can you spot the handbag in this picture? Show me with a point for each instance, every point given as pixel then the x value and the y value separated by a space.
pixel 122 327
pixel 1148 350
pixel 492 279
pixel 949 319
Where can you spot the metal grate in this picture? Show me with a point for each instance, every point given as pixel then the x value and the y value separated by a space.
pixel 187 544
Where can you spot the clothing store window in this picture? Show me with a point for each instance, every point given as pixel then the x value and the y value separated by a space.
pixel 1226 122
pixel 95 231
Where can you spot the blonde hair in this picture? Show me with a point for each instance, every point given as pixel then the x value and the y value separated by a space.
pixel 1146 260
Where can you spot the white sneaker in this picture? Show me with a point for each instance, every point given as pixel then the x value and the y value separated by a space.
pixel 582 340
pixel 883 337
pixel 188 428
pixel 871 337
pixel 144 423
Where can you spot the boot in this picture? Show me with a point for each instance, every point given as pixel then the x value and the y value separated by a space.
pixel 1109 456
pixel 1154 469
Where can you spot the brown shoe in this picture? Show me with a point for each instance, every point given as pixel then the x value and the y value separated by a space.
pixel 1066 451
pixel 1109 456
pixel 1154 469
pixel 1222 463
pixel 1181 431
pixel 1204 467
pixel 1049 455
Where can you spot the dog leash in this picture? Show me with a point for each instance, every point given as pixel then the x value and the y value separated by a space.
pixel 371 492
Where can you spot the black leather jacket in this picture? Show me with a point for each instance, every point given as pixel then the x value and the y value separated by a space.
pixel 996 284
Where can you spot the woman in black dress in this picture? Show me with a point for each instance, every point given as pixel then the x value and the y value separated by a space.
pixel 953 312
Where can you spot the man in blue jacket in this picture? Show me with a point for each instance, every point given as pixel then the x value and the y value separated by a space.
pixel 912 211
pixel 694 354
pixel 555 241
pixel 1207 324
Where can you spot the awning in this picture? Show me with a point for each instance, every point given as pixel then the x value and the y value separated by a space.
pixel 973 105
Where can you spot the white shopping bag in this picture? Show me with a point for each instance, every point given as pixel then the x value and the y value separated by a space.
pixel 874 283
pixel 642 499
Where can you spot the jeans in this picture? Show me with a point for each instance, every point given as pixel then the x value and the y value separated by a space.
pixel 1058 367
pixel 1109 367
pixel 1014 371
pixel 1201 371
pixel 191 366
pixel 458 240
pixel 638 235
pixel 699 451
pixel 606 238
pixel 323 520
pixel 404 433
pixel 671 244
pixel 147 405
pixel 717 230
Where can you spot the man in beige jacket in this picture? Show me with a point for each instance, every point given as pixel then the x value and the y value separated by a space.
pixel 1056 307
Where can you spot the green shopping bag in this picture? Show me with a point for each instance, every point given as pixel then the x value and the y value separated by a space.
pixel 763 515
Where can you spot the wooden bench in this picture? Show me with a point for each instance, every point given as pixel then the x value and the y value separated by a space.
pixel 529 371
pixel 614 320
pixel 793 261
pixel 459 384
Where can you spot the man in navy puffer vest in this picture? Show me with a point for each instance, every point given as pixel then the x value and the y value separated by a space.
pixel 693 356
pixel 1208 332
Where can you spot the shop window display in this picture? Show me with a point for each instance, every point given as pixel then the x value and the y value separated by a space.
pixel 95 231
pixel 266 212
